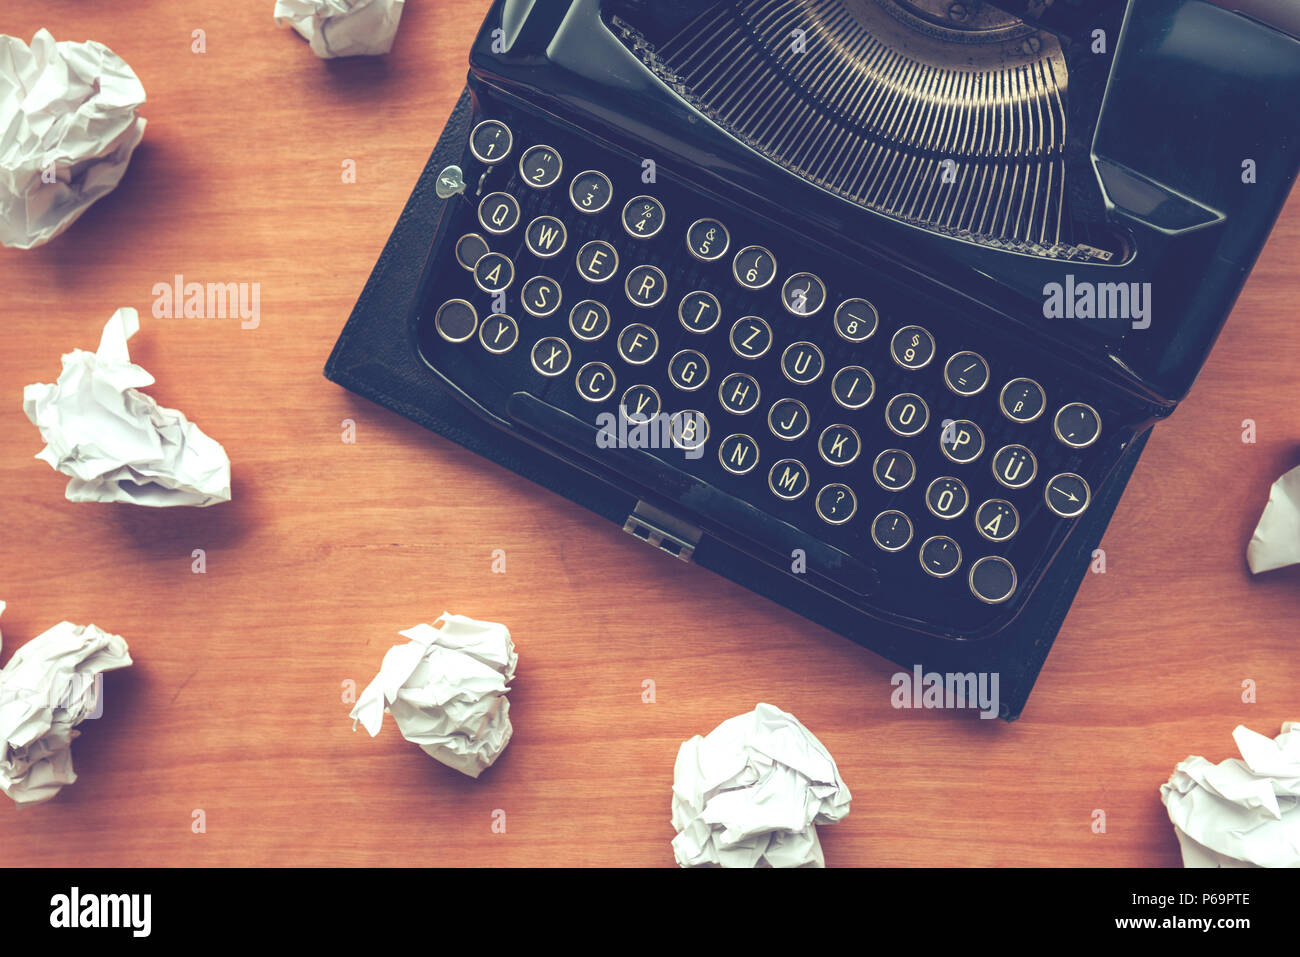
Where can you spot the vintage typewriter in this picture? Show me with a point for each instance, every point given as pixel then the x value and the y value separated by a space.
pixel 867 305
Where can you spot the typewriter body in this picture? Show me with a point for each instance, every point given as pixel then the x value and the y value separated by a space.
pixel 866 304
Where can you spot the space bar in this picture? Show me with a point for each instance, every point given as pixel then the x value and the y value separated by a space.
pixel 707 504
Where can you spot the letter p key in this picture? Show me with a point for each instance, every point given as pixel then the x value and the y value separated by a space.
pixel 961 440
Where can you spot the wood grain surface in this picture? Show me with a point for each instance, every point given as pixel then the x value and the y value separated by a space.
pixel 234 705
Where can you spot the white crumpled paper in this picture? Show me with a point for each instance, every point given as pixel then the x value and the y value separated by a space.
pixel 446 689
pixel 336 28
pixel 48 688
pixel 1242 812
pixel 117 443
pixel 1276 541
pixel 68 127
pixel 752 792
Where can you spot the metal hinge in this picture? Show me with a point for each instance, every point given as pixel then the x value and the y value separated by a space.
pixel 665 532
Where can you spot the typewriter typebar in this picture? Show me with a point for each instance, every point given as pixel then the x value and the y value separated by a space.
pixel 878 293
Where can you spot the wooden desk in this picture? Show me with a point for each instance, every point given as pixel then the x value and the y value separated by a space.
pixel 328 549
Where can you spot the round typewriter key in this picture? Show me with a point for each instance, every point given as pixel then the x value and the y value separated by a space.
pixel 597 261
pixel 551 356
pixel 699 311
pixel 946 497
pixel 992 580
pixel 803 294
pixel 839 445
pixel 498 334
pixel 590 191
pixel 893 470
pixel 645 286
pixel 912 347
pixel 856 320
pixel 891 530
pixel 545 237
pixel 490 141
pixel 1022 400
pixel 643 217
pixel 688 370
pixel 802 363
pixel 997 520
pixel 638 343
pixel 940 556
pixel 788 479
pixel 540 166
pixel 469 248
pixel 498 213
pixel 1067 494
pixel 853 387
pixel 788 419
pixel 541 296
pixel 595 382
pixel 640 403
pixel 836 503
pixel 589 320
pixel 907 414
pixel 738 454
pixel 751 337
pixel 738 393
pixel 1077 425
pixel 966 373
pixel 1014 466
pixel 688 429
pixel 754 267
pixel 494 272
pixel 961 441
pixel 455 320
pixel 707 239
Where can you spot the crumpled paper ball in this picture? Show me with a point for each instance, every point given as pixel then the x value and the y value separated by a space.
pixel 1276 542
pixel 116 443
pixel 46 690
pixel 68 125
pixel 1242 812
pixel 337 28
pixel 752 791
pixel 446 689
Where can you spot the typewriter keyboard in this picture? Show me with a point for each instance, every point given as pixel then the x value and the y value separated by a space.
pixel 838 397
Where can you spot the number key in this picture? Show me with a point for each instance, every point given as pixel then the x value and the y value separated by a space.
pixel 754 267
pixel 643 217
pixel 490 141
pixel 540 166
pixel 590 191
pixel 856 320
pixel 912 347
pixel 707 239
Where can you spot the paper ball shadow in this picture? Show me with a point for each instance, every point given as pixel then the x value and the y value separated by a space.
pixel 211 527
pixel 359 79
pixel 98 752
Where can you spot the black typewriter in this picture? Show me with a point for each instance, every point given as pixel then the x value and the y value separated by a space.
pixel 868 305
